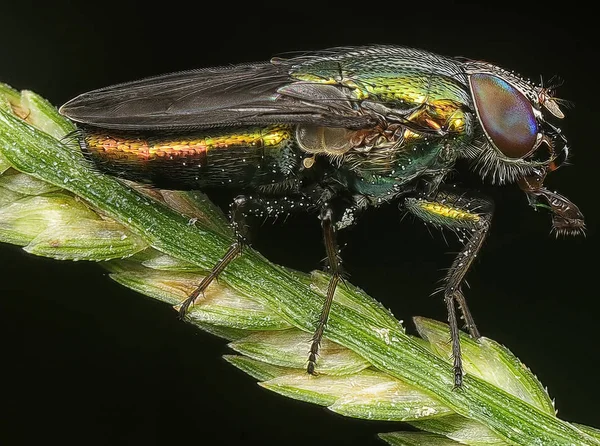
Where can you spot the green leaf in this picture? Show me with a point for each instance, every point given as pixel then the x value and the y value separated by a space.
pixel 460 429
pixel 199 209
pixel 353 297
pixel 591 431
pixel 489 361
pixel 4 165
pixel 25 184
pixel 24 219
pixel 86 239
pixel 7 197
pixel 44 116
pixel 416 439
pixel 219 305
pixel 167 263
pixel 389 401
pixel 289 348
pixel 367 394
pixel 59 226
pixel 259 370
pixel 10 98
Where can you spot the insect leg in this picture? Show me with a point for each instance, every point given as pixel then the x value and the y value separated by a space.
pixel 470 218
pixel 335 269
pixel 241 232
pixel 243 206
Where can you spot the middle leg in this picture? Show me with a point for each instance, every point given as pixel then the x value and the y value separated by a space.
pixel 334 265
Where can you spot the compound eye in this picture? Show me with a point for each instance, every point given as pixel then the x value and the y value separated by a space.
pixel 505 114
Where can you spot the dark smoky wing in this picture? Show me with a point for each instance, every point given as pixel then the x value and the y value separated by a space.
pixel 227 96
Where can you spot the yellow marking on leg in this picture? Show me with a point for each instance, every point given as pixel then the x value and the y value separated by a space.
pixel 448 211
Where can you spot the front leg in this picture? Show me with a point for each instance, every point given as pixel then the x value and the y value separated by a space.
pixel 471 217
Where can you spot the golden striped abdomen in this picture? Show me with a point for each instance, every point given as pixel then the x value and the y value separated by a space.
pixel 231 157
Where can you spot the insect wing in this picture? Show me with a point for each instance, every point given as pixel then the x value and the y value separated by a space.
pixel 248 94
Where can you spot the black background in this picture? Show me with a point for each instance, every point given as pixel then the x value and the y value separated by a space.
pixel 86 361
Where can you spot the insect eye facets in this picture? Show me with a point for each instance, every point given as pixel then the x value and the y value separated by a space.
pixel 505 114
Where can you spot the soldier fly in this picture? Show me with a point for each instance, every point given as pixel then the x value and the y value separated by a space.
pixel 337 132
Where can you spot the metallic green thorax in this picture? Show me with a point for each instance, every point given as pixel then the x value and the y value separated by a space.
pixel 414 160
pixel 425 91
pixel 404 76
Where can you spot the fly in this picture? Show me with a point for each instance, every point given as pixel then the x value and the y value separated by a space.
pixel 337 132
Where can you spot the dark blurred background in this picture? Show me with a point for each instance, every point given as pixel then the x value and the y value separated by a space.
pixel 87 361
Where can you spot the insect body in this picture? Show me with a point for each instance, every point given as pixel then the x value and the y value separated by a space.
pixel 337 132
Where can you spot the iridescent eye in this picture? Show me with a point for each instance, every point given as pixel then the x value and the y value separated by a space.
pixel 505 114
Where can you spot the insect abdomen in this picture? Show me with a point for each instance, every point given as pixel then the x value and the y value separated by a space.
pixel 233 157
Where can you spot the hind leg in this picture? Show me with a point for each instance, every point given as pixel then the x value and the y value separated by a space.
pixel 242 207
